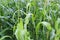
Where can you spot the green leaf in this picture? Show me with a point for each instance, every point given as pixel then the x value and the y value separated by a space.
pixel 48 25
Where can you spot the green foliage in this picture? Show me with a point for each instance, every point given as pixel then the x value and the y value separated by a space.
pixel 29 19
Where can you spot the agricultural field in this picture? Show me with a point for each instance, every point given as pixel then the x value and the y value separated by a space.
pixel 29 19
